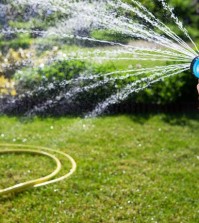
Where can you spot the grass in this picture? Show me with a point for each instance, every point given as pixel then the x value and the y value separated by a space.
pixel 130 169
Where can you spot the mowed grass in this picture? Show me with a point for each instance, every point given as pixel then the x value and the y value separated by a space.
pixel 130 169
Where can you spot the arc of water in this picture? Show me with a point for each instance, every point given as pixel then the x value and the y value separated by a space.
pixel 127 47
pixel 127 27
pixel 97 54
pixel 164 28
pixel 180 25
pixel 76 90
pixel 128 75
pixel 108 20
pixel 136 28
pixel 136 50
pixel 118 52
pixel 120 55
pixel 134 59
pixel 170 32
pixel 154 22
pixel 64 83
pixel 158 23
pixel 100 41
pixel 148 35
pixel 101 107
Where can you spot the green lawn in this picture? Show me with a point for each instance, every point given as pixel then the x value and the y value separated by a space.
pixel 129 169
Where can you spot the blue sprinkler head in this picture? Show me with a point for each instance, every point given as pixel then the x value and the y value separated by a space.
pixel 195 67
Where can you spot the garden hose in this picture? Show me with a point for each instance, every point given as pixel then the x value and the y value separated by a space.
pixel 18 148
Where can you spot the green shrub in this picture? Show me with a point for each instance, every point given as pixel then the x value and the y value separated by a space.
pixel 180 88
pixel 62 70
pixel 49 85
pixel 20 41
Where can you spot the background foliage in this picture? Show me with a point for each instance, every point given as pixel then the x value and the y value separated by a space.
pixel 17 47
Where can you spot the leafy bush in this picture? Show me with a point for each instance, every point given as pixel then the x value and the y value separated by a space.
pixel 6 87
pixel 180 88
pixel 21 41
pixel 46 90
pixel 62 70
pixel 12 61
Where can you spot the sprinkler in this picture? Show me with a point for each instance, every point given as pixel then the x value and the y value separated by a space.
pixel 195 67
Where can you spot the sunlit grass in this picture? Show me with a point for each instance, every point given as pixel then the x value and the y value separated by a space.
pixel 130 169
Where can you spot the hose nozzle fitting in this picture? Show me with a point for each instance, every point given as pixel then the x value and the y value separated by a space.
pixel 195 67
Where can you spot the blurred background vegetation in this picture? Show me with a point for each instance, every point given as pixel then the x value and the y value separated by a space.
pixel 15 48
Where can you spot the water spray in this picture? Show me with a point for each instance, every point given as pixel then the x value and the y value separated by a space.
pixel 49 179
pixel 195 67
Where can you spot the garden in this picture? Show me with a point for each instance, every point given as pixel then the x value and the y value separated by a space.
pixel 87 97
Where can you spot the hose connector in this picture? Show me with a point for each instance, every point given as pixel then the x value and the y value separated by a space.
pixel 195 67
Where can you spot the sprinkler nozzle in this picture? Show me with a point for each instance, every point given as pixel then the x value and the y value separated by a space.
pixel 195 67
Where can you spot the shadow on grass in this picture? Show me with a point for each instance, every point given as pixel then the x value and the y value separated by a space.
pixel 180 119
pixel 9 197
pixel 177 118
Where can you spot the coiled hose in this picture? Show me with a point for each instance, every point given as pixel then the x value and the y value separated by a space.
pixel 18 148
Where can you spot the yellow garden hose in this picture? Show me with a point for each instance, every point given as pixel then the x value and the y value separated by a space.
pixel 18 148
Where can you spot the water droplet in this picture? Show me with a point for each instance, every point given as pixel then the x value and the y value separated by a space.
pixel 24 140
